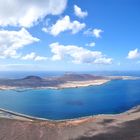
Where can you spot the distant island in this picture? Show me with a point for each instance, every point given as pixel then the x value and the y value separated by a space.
pixel 65 81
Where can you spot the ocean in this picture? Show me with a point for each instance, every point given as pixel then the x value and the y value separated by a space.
pixel 110 98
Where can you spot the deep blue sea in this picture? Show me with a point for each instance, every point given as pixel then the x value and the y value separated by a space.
pixel 113 97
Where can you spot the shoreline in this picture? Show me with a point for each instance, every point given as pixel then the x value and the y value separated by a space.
pixel 73 84
pixel 69 84
pixel 124 126
pixel 24 117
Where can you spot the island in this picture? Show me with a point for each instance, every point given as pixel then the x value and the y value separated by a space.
pixel 58 82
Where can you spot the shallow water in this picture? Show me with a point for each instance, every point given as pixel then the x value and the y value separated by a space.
pixel 113 97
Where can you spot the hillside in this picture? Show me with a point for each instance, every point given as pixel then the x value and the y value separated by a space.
pixel 36 81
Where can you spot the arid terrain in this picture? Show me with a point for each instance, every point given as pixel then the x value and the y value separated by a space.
pixel 65 81
pixel 124 126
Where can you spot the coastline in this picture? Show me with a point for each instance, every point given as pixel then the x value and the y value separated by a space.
pixel 4 113
pixel 123 77
pixel 73 84
pixel 69 84
pixel 77 84
pixel 103 126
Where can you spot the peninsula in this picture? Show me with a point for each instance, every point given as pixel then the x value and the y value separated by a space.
pixel 65 81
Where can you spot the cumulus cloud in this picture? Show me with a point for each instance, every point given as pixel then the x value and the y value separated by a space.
pixel 78 54
pixel 79 13
pixel 94 32
pixel 65 24
pixel 33 56
pixel 27 12
pixel 133 54
pixel 91 44
pixel 97 32
pixel 103 60
pixel 11 41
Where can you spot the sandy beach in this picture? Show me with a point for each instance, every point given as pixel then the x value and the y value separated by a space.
pixel 69 84
pixel 124 126
pixel 76 84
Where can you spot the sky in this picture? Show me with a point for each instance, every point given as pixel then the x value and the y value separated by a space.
pixel 69 35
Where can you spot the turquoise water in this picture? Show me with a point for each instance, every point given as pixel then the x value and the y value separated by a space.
pixel 113 97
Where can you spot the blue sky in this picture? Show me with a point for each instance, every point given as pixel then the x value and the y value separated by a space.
pixel 74 35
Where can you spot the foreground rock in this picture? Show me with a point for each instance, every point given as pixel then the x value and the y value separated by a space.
pixel 125 126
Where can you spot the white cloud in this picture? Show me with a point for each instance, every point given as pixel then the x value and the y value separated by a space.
pixel 33 56
pixel 78 12
pixel 97 32
pixel 39 58
pixel 11 41
pixel 103 60
pixel 44 29
pixel 64 24
pixel 133 54
pixel 91 44
pixel 78 54
pixel 26 13
pixel 94 32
